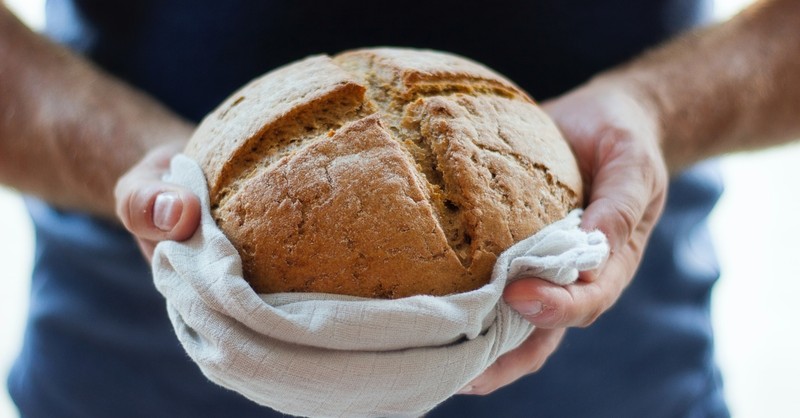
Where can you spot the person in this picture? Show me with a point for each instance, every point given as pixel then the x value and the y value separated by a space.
pixel 87 135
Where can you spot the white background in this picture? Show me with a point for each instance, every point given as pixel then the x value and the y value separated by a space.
pixel 755 304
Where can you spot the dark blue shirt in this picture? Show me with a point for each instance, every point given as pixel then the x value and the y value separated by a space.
pixel 98 342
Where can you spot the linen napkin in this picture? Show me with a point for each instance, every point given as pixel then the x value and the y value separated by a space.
pixel 322 355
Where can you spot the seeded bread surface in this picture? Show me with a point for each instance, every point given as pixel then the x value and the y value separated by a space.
pixel 381 173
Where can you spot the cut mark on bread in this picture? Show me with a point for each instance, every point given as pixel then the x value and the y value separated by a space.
pixel 233 104
pixel 468 86
pixel 398 99
pixel 289 134
pixel 568 196
pixel 536 170
pixel 426 150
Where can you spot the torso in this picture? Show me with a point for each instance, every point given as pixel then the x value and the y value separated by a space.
pixel 99 342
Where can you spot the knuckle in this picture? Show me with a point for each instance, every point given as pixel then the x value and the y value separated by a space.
pixel 655 172
pixel 554 314
pixel 491 379
pixel 592 316
pixel 126 207
pixel 536 364
pixel 611 143
pixel 596 311
pixel 483 391
pixel 139 211
pixel 628 218
pixel 560 315
pixel 122 195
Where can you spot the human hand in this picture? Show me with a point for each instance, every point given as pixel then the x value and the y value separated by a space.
pixel 616 142
pixel 154 210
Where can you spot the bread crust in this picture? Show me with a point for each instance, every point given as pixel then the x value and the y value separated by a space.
pixel 381 173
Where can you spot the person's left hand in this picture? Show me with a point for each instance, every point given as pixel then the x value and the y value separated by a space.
pixel 615 138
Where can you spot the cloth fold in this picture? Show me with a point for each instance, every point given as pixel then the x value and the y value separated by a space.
pixel 326 355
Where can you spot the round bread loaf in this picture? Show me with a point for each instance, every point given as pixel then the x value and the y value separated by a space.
pixel 381 173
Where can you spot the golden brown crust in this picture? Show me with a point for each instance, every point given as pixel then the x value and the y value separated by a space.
pixel 253 119
pixel 381 173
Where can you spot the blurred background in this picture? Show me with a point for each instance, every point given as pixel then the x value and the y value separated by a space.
pixel 756 304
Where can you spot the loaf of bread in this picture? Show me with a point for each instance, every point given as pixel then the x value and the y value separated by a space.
pixel 381 173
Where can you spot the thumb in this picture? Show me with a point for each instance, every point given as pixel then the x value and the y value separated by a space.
pixel 157 211
pixel 152 209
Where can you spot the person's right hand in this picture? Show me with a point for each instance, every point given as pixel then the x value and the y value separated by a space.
pixel 152 209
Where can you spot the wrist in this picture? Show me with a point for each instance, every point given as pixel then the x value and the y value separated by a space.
pixel 635 92
pixel 632 92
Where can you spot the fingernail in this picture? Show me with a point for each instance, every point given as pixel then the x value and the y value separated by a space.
pixel 529 307
pixel 466 390
pixel 167 211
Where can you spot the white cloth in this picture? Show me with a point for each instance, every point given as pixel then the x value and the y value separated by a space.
pixel 328 355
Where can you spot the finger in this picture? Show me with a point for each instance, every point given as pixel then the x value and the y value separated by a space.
pixel 627 180
pixel 525 359
pixel 154 210
pixel 616 144
pixel 158 211
pixel 548 305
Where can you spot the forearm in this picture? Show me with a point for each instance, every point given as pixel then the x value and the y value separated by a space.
pixel 69 131
pixel 729 87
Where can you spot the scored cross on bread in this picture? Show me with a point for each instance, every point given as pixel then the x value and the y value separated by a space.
pixel 381 173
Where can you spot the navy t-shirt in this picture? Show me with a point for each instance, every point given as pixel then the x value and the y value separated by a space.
pixel 98 342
